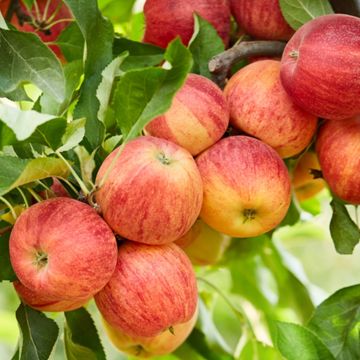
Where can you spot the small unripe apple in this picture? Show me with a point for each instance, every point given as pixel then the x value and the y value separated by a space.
pixel 153 193
pixel 305 185
pixel 246 187
pixel 152 290
pixel 167 19
pixel 61 248
pixel 45 303
pixel 338 149
pixel 261 18
pixel 260 106
pixel 203 245
pixel 146 347
pixel 197 118
pixel 320 67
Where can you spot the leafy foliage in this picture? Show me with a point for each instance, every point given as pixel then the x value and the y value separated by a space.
pixel 299 12
pixel 38 334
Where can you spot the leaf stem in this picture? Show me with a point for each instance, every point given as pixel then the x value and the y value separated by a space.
pixel 8 204
pixel 24 197
pixel 83 187
pixel 36 196
pixel 49 26
pixel 71 186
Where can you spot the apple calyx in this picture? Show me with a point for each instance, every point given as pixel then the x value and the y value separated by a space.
pixel 163 158
pixel 41 259
pixel 249 214
pixel 171 329
pixel 294 54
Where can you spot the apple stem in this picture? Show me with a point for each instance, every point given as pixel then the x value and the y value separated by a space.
pixel 71 186
pixel 82 185
pixel 8 204
pixel 23 196
pixel 357 215
pixel 221 64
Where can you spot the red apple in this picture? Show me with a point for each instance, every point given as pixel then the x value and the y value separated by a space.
pixel 260 106
pixel 303 181
pixel 153 193
pixel 197 118
pixel 320 67
pixel 246 187
pixel 152 289
pixel 48 19
pixel 61 248
pixel 167 19
pixel 145 347
pixel 261 18
pixel 203 245
pixel 338 149
pixel 44 303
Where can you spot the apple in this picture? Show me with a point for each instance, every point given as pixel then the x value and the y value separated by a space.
pixel 61 248
pixel 167 19
pixel 203 245
pixel 320 67
pixel 44 303
pixel 261 18
pixel 305 185
pixel 197 118
pixel 152 290
pixel 338 149
pixel 145 347
pixel 153 192
pixel 47 19
pixel 260 106
pixel 246 187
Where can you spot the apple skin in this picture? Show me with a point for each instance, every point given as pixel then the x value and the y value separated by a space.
pixel 338 149
pixel 303 181
pixel 61 248
pixel 261 18
pixel 203 245
pixel 154 192
pixel 152 289
pixel 320 67
pixel 146 347
pixel 260 106
pixel 42 303
pixel 246 187
pixel 167 19
pixel 197 118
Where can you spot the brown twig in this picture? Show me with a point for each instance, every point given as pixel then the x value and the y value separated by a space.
pixel 15 8
pixel 221 64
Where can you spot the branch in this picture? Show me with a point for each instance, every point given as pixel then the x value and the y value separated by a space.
pixel 221 64
pixel 15 8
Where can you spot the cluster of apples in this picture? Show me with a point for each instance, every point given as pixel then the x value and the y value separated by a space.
pixel 153 192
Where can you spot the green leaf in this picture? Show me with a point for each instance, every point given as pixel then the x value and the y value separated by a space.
pixel 292 215
pixel 34 62
pixel 98 34
pixel 71 42
pixel 74 134
pixel 143 94
pixel 344 232
pixel 15 172
pixel 299 12
pixel 22 122
pixel 6 270
pixel 205 44
pixel 118 11
pixel 140 55
pixel 82 340
pixel 295 341
pixel 38 334
pixel 336 322
pixel 105 90
pixel 255 350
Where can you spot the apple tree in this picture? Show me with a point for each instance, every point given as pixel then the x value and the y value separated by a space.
pixel 179 179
